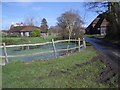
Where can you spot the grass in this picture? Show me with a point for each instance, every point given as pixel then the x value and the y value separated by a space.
pixel 63 72
pixel 23 40
pixel 0 76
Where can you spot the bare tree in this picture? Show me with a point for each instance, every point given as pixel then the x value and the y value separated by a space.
pixel 53 30
pixel 29 21
pixel 98 7
pixel 105 6
pixel 68 21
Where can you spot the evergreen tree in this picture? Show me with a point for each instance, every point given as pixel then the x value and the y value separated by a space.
pixel 44 26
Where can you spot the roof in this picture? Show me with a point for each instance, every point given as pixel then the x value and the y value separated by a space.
pixel 96 20
pixel 104 23
pixel 29 28
pixel 23 28
pixel 100 20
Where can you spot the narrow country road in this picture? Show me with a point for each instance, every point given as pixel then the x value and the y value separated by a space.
pixel 109 51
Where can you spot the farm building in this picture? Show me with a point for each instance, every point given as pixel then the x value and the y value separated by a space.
pixel 23 30
pixel 98 26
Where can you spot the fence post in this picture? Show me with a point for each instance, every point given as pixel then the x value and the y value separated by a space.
pixel 22 47
pixel 28 47
pixel 5 53
pixel 79 44
pixel 84 43
pixel 54 49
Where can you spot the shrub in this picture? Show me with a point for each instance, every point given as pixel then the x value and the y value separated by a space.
pixel 35 33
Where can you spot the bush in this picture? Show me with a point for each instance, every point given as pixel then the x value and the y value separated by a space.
pixel 35 33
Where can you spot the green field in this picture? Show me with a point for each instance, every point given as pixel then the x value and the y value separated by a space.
pixel 64 72
pixel 0 76
pixel 24 40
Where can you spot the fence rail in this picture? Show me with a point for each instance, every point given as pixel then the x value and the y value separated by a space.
pixel 53 45
pixel 37 43
pixel 26 45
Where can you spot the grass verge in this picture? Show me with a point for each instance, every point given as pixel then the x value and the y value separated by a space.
pixel 64 72
pixel 24 40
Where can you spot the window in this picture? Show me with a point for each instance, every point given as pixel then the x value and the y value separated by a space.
pixel 103 31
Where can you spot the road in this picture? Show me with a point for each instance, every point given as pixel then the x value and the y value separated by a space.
pixel 109 51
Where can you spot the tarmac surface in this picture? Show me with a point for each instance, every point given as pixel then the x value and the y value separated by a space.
pixel 110 52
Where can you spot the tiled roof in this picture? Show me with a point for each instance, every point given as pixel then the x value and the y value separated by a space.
pixel 23 28
pixel 100 20
pixel 104 23
pixel 29 28
pixel 96 20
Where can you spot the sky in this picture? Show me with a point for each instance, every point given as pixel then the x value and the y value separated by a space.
pixel 19 11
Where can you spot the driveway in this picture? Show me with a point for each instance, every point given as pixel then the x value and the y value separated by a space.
pixel 109 52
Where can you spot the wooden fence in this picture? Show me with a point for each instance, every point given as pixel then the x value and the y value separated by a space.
pixel 53 45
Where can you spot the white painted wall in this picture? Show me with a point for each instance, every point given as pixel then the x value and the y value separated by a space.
pixel 27 34
pixel 21 33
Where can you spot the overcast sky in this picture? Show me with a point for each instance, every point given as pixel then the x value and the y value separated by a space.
pixel 18 11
